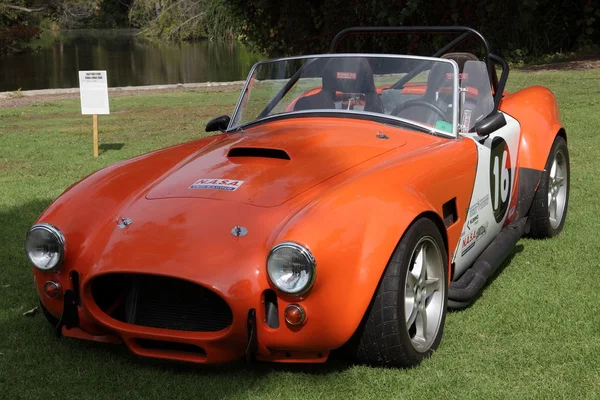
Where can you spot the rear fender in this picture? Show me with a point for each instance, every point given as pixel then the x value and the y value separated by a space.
pixel 536 110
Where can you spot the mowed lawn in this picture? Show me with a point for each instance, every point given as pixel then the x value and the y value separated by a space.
pixel 534 333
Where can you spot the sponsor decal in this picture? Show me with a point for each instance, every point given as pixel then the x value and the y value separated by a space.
pixel 482 230
pixel 462 76
pixel 500 178
pixel 479 204
pixel 473 221
pixel 346 75
pixel 220 184
pixel 466 120
pixel 470 239
pixel 443 126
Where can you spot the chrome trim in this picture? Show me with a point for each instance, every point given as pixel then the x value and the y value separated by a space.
pixel 455 106
pixel 123 222
pixel 57 235
pixel 58 287
pixel 238 231
pixel 302 312
pixel 309 257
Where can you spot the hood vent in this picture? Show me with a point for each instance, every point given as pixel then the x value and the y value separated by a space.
pixel 258 152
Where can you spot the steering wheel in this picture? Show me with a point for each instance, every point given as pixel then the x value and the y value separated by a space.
pixel 415 103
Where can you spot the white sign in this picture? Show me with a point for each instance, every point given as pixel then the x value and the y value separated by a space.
pixel 93 88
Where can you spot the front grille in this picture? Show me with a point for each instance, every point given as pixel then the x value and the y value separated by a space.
pixel 161 302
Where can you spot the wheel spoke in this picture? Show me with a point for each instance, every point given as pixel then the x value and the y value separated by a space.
pixel 423 257
pixel 422 324
pixel 411 280
pixel 412 317
pixel 558 181
pixel 553 170
pixel 419 264
pixel 431 286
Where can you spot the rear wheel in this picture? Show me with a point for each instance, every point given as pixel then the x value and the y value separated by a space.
pixel 405 321
pixel 549 209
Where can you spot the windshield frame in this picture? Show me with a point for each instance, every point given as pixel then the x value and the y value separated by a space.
pixel 341 113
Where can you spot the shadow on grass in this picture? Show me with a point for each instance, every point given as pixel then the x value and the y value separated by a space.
pixel 104 147
pixel 14 224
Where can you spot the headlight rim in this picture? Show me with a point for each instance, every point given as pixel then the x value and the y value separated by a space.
pixel 58 235
pixel 305 251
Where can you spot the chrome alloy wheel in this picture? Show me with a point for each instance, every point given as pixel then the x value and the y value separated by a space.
pixel 557 189
pixel 424 294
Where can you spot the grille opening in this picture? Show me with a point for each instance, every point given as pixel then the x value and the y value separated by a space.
pixel 271 308
pixel 161 302
pixel 258 152
pixel 151 344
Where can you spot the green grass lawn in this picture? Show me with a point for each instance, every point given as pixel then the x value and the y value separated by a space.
pixel 534 333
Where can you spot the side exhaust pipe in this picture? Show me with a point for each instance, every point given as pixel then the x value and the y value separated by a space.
pixel 462 292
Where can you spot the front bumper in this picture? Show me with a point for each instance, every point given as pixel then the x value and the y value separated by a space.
pixel 248 336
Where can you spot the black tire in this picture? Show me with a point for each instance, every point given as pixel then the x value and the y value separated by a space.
pixel 542 225
pixel 383 337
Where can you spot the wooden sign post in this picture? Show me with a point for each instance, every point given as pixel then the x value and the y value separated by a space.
pixel 93 88
pixel 95 128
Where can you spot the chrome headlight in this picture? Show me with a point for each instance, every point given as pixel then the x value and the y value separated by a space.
pixel 45 246
pixel 291 268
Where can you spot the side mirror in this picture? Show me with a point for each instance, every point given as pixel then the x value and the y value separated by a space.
pixel 489 124
pixel 218 124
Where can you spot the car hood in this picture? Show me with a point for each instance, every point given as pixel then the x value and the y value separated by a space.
pixel 269 164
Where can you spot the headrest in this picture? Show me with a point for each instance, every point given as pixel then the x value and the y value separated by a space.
pixel 461 59
pixel 348 75
pixel 441 74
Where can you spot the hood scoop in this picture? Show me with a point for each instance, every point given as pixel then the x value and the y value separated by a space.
pixel 258 152
pixel 271 165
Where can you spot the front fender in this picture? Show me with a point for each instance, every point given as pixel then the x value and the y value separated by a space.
pixel 353 228
pixel 352 237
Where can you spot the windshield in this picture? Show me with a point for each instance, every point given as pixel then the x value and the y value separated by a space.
pixel 419 93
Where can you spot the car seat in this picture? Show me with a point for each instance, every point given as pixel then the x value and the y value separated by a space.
pixel 346 75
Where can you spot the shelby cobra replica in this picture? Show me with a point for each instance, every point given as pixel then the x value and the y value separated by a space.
pixel 349 201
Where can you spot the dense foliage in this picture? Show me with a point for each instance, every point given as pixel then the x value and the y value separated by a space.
pixel 22 20
pixel 518 29
pixel 182 19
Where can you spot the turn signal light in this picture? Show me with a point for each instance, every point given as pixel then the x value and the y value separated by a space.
pixel 52 289
pixel 294 314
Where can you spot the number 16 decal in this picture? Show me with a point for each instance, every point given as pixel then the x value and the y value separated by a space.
pixel 500 178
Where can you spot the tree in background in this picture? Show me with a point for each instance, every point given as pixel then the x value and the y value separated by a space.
pixel 516 28
pixel 182 19
pixel 18 24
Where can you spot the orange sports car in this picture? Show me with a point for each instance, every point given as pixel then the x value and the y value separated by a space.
pixel 349 201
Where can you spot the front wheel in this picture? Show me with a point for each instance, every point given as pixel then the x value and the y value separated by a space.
pixel 549 209
pixel 405 321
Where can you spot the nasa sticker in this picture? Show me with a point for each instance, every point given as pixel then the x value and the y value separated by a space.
pixel 500 178
pixel 219 184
